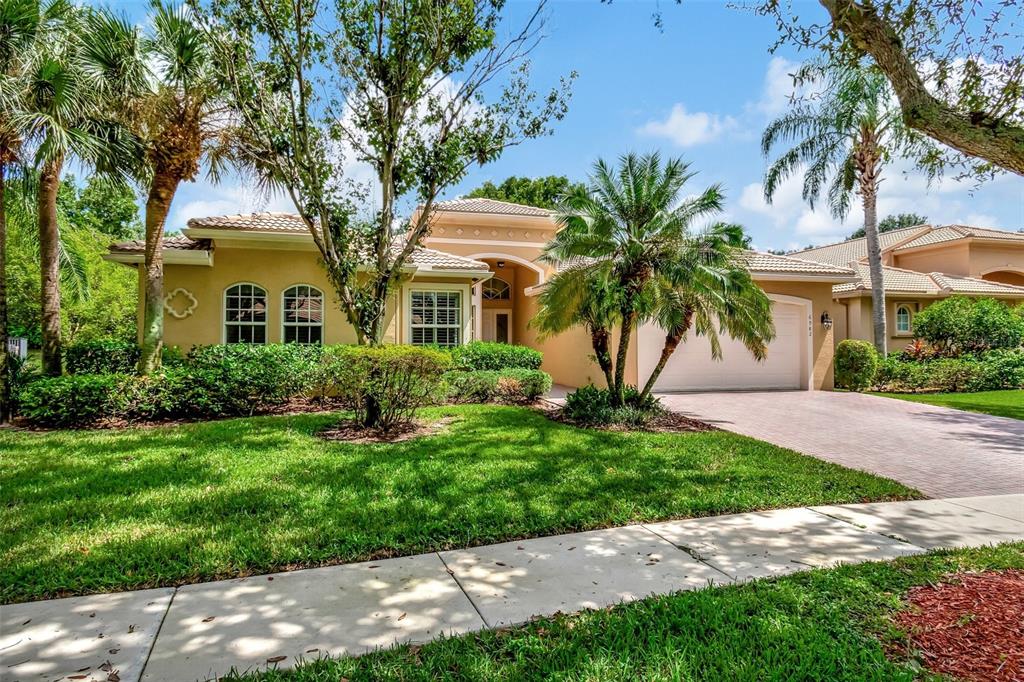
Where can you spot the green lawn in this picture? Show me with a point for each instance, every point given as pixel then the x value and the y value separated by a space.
pixel 999 403
pixel 94 511
pixel 821 625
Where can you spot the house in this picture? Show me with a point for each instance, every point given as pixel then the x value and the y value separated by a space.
pixel 256 279
pixel 921 265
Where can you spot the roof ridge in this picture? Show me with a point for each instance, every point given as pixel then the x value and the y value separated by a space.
pixel 857 239
pixel 795 259
pixel 978 279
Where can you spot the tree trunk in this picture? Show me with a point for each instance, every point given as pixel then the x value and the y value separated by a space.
pixel 49 246
pixel 867 163
pixel 158 205
pixel 6 369
pixel 625 333
pixel 672 340
pixel 599 339
pixel 976 134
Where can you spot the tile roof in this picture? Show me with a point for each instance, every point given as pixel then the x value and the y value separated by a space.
pixel 479 205
pixel 899 281
pixel 291 223
pixel 176 243
pixel 857 249
pixel 757 261
pixel 950 233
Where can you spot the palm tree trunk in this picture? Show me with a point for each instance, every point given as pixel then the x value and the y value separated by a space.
pixel 625 334
pixel 5 358
pixel 599 339
pixel 158 205
pixel 49 249
pixel 867 162
pixel 672 340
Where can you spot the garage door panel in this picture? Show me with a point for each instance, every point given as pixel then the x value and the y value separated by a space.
pixel 691 367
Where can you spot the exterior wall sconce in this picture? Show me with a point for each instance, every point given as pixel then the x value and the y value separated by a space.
pixel 501 264
pixel 826 320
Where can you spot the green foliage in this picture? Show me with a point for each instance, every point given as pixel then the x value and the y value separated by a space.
pixel 247 378
pixel 542 192
pixel 856 364
pixel 101 357
pixel 384 385
pixel 102 206
pixel 991 371
pixel 894 222
pixel 504 385
pixel 72 400
pixel 593 406
pixel 487 355
pixel 959 325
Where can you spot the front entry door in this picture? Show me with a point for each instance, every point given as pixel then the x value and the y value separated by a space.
pixel 497 325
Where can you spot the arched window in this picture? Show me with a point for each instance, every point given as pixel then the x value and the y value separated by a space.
pixel 245 314
pixel 496 289
pixel 903 319
pixel 303 315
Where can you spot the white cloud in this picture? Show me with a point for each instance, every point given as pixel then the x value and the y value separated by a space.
pixel 687 129
pixel 778 89
pixel 204 198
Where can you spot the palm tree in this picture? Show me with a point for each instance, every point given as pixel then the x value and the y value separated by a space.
pixel 179 118
pixel 628 236
pixel 843 137
pixel 66 105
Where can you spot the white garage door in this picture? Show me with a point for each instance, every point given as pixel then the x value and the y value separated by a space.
pixel 691 368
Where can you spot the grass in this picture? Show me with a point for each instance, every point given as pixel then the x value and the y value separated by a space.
pixel 96 511
pixel 999 403
pixel 832 624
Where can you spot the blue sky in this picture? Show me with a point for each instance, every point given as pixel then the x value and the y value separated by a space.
pixel 703 88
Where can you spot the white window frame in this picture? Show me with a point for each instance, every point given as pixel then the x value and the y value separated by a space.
pixel 507 292
pixel 910 319
pixel 284 320
pixel 224 323
pixel 465 303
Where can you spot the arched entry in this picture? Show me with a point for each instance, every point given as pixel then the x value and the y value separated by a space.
pixel 503 315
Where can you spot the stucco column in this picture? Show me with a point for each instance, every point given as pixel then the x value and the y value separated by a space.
pixel 478 320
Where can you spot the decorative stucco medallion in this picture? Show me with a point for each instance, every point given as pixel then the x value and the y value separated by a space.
pixel 440 230
pixel 511 234
pixel 180 303
pixel 526 235
pixel 546 236
pixel 494 233
pixel 459 231
pixel 476 233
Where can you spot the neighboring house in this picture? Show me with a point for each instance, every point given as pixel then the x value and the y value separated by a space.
pixel 921 265
pixel 256 279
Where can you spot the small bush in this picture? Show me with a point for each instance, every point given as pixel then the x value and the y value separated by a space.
pixel 508 386
pixel 856 364
pixel 482 355
pixel 71 400
pixel 993 371
pixel 960 325
pixel 101 357
pixel 592 406
pixel 244 378
pixel 385 385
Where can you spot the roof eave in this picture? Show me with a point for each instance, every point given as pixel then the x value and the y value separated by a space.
pixel 202 257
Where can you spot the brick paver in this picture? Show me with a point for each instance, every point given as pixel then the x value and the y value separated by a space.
pixel 940 451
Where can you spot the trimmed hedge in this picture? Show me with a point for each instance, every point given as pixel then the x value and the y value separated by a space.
pixel 993 371
pixel 101 357
pixel 484 355
pixel 505 385
pixel 856 364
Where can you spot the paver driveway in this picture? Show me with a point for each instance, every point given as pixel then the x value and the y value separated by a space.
pixel 940 451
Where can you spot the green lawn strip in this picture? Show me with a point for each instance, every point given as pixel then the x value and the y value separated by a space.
pixel 998 403
pixel 832 624
pixel 96 511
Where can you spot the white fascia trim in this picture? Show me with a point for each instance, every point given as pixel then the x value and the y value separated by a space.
pixel 492 242
pixel 469 274
pixel 804 277
pixel 171 257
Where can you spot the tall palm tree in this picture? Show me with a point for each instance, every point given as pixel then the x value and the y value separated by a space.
pixel 843 137
pixel 67 104
pixel 629 237
pixel 178 114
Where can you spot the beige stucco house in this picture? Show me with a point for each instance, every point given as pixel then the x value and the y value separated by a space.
pixel 921 265
pixel 256 278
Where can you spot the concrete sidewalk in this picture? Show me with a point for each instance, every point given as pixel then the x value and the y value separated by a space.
pixel 204 630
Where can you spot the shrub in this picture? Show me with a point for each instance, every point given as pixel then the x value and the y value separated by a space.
pixel 244 378
pixel 995 370
pixel 101 357
pixel 509 385
pixel 72 400
pixel 856 364
pixel 960 325
pixel 482 355
pixel 592 406
pixel 385 385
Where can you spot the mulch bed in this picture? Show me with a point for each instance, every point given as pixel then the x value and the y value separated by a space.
pixel 666 422
pixel 350 432
pixel 971 627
